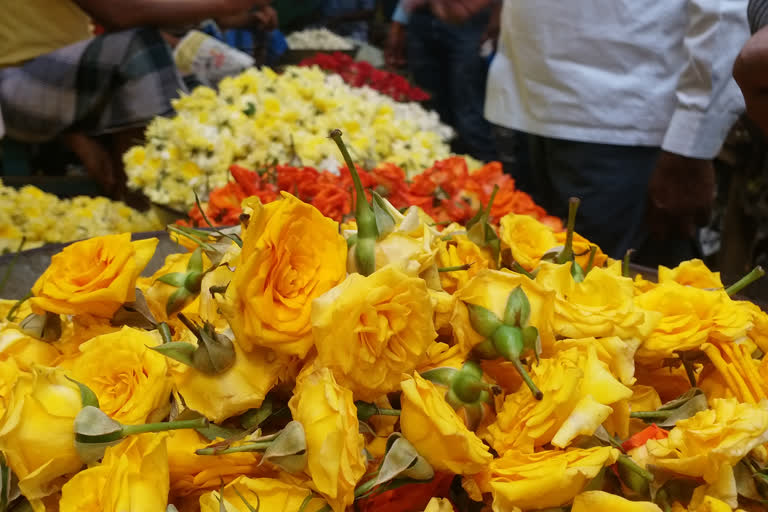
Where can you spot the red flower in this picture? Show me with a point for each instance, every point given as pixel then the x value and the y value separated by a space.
pixel 409 498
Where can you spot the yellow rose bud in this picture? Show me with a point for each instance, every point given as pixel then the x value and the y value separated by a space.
pixel 130 380
pixel 193 474
pixel 132 476
pixel 691 273
pixel 526 238
pixel 599 501
pixel 456 251
pixel 710 443
pixel 602 305
pixel 689 317
pixel 581 248
pixel 273 495
pixel 371 330
pixel 27 351
pixel 291 255
pixel 335 460
pixel 37 433
pixel 242 387
pixel 94 276
pixel 439 505
pixel 157 292
pixel 550 478
pixel 437 432
pixel 490 289
pixel 578 391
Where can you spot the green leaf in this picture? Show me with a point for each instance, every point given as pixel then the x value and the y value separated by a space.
pixel 180 351
pixel 135 314
pixel 245 502
pixel 289 449
pixel 175 279
pixel 87 396
pixel 255 417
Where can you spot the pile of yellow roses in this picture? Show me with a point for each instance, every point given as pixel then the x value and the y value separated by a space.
pixel 38 217
pixel 261 118
pixel 299 365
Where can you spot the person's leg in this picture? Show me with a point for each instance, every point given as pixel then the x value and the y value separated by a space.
pixel 512 149
pixel 468 74
pixel 427 64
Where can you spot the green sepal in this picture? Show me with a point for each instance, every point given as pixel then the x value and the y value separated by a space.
pixel 385 224
pixel 483 320
pixel 87 396
pixel 175 279
pixel 518 310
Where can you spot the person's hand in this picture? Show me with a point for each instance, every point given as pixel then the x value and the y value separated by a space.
pixel 680 195
pixel 751 73
pixel 394 52
pixel 266 18
pixel 457 11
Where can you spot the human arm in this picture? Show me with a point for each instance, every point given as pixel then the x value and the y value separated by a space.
pixel 457 11
pixel 264 18
pixel 394 52
pixel 681 190
pixel 122 14
pixel 751 68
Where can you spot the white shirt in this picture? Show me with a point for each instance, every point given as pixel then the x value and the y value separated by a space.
pixel 626 72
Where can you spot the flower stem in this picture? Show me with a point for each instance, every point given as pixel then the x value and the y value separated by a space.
pixel 182 232
pixel 129 430
pixel 249 447
pixel 567 253
pixel 591 260
pixel 165 332
pixel 628 463
pixel 12 313
pixel 661 415
pixel 625 264
pixel 537 394
pixel 365 488
pixel 745 281
pixel 457 268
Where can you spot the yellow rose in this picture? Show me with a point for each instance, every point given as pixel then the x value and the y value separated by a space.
pixel 291 255
pixel 37 431
pixel 371 330
pixel 690 317
pixel 581 248
pixel 459 250
pixel 599 501
pixel 691 273
pixel 130 380
pixel 9 374
pixel 490 289
pixel 578 392
pixel 550 478
pixel 335 460
pixel 601 306
pixel 710 443
pixel 77 331
pixel 21 312
pixel 526 238
pixel 242 387
pixel 132 476
pixel 192 474
pixel 439 505
pixel 273 495
pixel 94 276
pixel 618 354
pixel 27 351
pixel 437 432
pixel 738 370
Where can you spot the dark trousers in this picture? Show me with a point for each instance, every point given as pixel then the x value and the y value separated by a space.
pixel 445 60
pixel 612 183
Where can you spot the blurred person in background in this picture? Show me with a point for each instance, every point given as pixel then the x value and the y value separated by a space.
pixel 349 18
pixel 95 93
pixel 623 104
pixel 446 60
pixel 751 69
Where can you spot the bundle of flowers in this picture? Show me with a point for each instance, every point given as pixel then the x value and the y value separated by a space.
pixel 260 117
pixel 362 73
pixel 317 39
pixel 382 365
pixel 39 218
pixel 448 192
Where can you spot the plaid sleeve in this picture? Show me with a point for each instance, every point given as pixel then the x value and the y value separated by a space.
pixel 758 14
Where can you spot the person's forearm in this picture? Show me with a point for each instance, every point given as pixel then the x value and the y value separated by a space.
pixel 134 13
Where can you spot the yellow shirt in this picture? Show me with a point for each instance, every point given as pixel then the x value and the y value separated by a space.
pixel 30 28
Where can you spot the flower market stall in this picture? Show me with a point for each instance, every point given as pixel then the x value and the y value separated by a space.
pixel 391 362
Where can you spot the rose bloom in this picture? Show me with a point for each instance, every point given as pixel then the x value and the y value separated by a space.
pixel 436 430
pixel 549 478
pixel 526 238
pixel 691 273
pixel 690 317
pixel 599 501
pixel 371 330
pixel 272 495
pixel 738 370
pixel 335 460
pixel 291 255
pixel 132 476
pixel 490 289
pixel 26 350
pixel 602 305
pixel 93 276
pixel 579 390
pixel 456 251
pixel 711 442
pixel 130 380
pixel 37 433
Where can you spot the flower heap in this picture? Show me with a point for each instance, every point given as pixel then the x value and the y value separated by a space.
pixel 382 365
pixel 261 117
pixel 39 218
pixel 448 192
pixel 363 74
pixel 317 39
